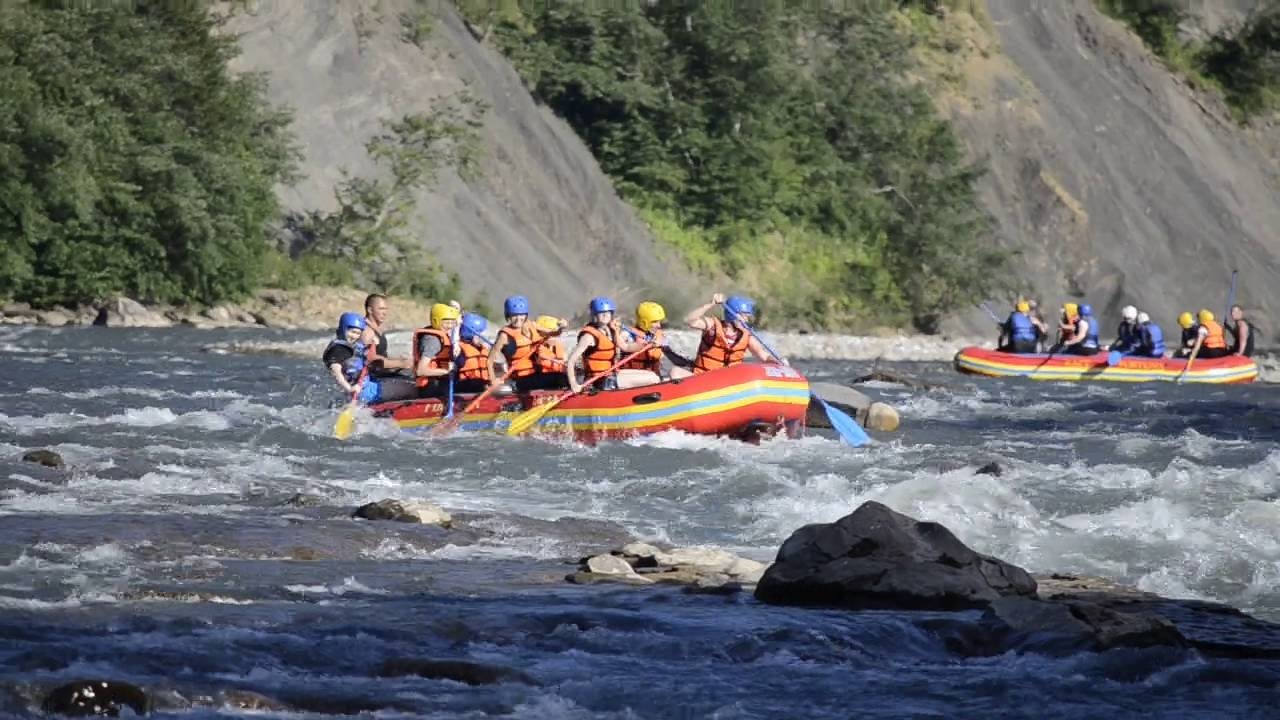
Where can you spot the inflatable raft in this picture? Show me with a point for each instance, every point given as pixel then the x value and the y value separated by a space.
pixel 739 401
pixel 993 363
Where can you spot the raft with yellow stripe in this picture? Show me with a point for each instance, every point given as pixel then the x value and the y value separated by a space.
pixel 739 401
pixel 993 363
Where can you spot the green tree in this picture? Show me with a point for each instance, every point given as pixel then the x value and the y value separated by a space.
pixel 130 160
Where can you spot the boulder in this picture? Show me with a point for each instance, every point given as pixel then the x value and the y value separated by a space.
pixel 96 698
pixel 463 671
pixel 410 511
pixel 218 314
pixel 606 568
pixel 991 468
pixel 609 565
pixel 124 312
pixel 48 458
pixel 54 318
pixel 878 558
pixel 1066 625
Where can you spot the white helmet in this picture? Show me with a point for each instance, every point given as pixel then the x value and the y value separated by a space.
pixel 1143 318
pixel 1129 313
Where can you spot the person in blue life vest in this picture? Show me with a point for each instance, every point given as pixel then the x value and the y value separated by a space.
pixel 1150 338
pixel 1127 333
pixel 1079 330
pixel 1018 333
pixel 345 355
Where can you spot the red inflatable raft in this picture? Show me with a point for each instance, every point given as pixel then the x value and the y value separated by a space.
pixel 993 363
pixel 738 401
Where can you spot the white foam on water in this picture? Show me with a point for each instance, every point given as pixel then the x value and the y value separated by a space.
pixel 348 586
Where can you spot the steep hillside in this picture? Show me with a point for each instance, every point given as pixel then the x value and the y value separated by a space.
pixel 541 219
pixel 1110 178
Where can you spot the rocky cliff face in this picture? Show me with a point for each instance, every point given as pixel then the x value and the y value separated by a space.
pixel 1111 180
pixel 542 220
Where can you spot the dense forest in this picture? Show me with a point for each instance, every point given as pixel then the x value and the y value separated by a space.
pixel 783 145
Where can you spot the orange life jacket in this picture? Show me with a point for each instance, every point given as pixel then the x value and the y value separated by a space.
pixel 715 352
pixel 550 356
pixel 442 358
pixel 1214 340
pixel 525 341
pixel 650 359
pixel 473 362
pixel 605 353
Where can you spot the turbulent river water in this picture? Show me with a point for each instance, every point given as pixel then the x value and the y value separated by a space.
pixel 169 553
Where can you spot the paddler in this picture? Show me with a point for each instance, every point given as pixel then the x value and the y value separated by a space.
pixel 1211 339
pixel 386 380
pixel 1241 333
pixel 345 355
pixel 1079 330
pixel 516 344
pixel 1190 334
pixel 726 342
pixel 1128 332
pixel 433 350
pixel 473 354
pixel 549 357
pixel 650 317
pixel 1018 333
pixel 600 345
pixel 1150 338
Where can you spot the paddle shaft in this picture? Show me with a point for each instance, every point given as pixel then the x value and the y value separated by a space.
pixel 994 318
pixel 1231 296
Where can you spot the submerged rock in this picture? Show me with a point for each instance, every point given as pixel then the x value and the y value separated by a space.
pixel 96 698
pixel 463 671
pixel 878 558
pixel 48 458
pixel 991 468
pixel 409 511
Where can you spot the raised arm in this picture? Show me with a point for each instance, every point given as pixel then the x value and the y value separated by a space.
pixel 697 317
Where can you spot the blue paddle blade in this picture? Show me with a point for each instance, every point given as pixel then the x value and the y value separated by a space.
pixel 1114 357
pixel 847 427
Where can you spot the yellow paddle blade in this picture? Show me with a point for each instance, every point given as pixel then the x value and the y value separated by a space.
pixel 529 418
pixel 345 424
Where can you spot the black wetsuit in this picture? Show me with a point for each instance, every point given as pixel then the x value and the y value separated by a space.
pixel 1234 329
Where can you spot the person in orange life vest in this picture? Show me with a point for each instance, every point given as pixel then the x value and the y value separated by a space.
pixel 726 342
pixel 433 355
pixel 601 343
pixel 516 346
pixel 1210 337
pixel 650 317
pixel 549 357
pixel 473 355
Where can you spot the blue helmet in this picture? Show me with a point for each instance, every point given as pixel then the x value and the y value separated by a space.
pixel 1086 310
pixel 736 306
pixel 350 320
pixel 603 304
pixel 516 305
pixel 472 325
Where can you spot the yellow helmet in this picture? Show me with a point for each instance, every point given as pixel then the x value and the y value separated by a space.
pixel 1022 306
pixel 648 313
pixel 1185 320
pixel 441 312
pixel 1071 310
pixel 548 324
pixel 1205 316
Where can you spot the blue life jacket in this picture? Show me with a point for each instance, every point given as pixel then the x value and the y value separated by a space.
pixel 1091 336
pixel 1019 328
pixel 354 365
pixel 1152 342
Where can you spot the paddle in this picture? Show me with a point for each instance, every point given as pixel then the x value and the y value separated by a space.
pixel 994 318
pixel 449 423
pixel 1190 360
pixel 346 422
pixel 1114 357
pixel 530 417
pixel 453 373
pixel 848 428
pixel 1231 296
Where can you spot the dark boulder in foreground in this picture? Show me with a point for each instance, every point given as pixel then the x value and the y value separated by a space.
pixel 463 671
pixel 879 558
pixel 48 458
pixel 96 698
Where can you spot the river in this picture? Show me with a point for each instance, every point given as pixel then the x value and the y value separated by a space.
pixel 201 540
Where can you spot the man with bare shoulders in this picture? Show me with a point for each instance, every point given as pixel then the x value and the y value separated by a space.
pixel 389 383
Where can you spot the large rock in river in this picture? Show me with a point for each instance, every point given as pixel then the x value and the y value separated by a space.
pixel 878 558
